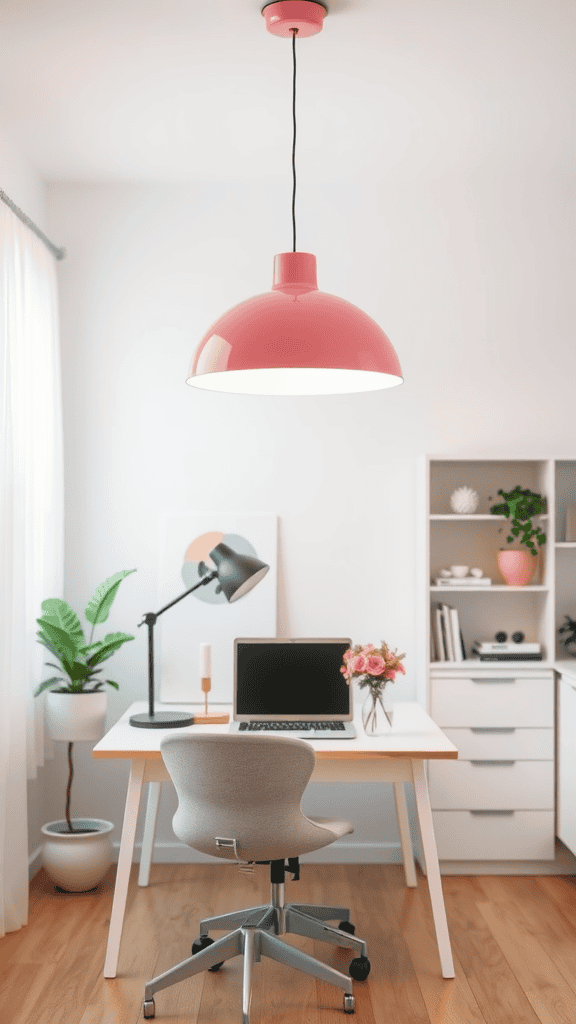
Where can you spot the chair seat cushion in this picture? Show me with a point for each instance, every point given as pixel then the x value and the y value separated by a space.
pixel 339 826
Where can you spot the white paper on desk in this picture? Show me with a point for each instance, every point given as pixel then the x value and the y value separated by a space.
pixel 204 616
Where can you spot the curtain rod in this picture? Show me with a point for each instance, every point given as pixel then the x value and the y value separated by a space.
pixel 58 253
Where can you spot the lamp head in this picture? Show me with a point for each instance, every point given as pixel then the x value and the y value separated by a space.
pixel 237 574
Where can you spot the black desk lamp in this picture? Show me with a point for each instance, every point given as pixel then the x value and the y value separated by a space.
pixel 236 575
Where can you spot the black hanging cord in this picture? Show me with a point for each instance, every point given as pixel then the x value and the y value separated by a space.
pixel 294 31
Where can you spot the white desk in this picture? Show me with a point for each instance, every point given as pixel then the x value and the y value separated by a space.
pixel 396 757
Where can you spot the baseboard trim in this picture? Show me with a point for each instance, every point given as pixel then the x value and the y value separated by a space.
pixel 34 862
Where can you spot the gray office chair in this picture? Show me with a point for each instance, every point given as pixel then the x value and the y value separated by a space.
pixel 239 799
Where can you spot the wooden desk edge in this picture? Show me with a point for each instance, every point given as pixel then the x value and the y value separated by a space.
pixel 329 755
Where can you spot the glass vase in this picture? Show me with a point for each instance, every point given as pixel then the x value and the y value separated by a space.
pixel 374 715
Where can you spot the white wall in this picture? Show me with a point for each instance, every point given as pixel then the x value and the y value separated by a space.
pixel 21 182
pixel 471 280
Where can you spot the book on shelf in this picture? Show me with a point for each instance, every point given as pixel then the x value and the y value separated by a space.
pixel 448 637
pixel 439 635
pixel 456 635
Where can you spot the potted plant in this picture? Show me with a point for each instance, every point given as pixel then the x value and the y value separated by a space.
pixel 520 506
pixel 78 852
pixel 569 640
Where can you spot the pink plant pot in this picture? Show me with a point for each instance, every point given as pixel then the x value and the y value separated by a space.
pixel 517 567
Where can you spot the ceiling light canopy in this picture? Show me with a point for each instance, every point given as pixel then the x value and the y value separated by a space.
pixel 294 340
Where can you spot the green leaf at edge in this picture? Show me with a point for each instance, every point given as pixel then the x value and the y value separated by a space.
pixel 108 646
pixel 100 603
pixel 63 643
pixel 46 683
pixel 60 614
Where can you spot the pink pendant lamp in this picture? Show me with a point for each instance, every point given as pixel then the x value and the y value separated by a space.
pixel 295 340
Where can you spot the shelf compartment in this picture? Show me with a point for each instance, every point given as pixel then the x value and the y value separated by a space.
pixel 484 476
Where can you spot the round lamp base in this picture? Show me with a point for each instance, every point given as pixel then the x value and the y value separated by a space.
pixel 162 720
pixel 282 16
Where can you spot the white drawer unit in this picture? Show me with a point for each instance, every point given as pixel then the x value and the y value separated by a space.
pixel 496 742
pixel 494 835
pixel 498 700
pixel 497 801
pixel 567 761
pixel 492 785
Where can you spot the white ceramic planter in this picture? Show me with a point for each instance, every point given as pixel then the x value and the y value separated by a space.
pixel 76 716
pixel 77 861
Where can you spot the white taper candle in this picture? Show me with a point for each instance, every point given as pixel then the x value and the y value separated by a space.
pixel 205 666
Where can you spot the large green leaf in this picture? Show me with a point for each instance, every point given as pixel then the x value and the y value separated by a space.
pixel 99 605
pixel 60 640
pixel 42 639
pixel 105 648
pixel 60 614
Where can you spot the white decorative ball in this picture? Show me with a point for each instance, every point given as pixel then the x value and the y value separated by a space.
pixel 464 500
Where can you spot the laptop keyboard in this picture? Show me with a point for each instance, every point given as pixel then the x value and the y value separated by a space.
pixel 290 726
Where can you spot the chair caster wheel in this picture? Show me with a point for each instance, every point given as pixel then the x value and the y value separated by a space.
pixel 347 926
pixel 349 1004
pixel 202 943
pixel 359 968
pixel 149 1008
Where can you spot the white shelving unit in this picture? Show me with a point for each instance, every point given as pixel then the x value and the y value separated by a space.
pixel 497 802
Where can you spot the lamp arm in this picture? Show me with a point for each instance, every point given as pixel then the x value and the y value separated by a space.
pixel 150 617
pixel 150 620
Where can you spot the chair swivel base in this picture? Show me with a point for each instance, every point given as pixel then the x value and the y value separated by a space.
pixel 256 935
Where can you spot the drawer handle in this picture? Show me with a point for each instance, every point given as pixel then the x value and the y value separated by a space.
pixel 493 680
pixel 492 728
pixel 501 813
pixel 493 763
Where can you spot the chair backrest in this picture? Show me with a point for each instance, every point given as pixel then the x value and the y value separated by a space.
pixel 246 788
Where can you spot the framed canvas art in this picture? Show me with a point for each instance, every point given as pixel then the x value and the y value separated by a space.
pixel 205 616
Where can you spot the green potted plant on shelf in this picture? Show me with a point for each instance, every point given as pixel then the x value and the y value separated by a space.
pixel 520 506
pixel 569 640
pixel 78 852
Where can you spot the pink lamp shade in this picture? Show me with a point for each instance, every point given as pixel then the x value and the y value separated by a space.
pixel 295 340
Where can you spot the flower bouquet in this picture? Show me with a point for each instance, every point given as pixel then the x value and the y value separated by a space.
pixel 373 667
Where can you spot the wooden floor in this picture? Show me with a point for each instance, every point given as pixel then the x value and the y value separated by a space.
pixel 513 940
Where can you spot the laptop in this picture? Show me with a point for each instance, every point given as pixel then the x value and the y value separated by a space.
pixel 292 687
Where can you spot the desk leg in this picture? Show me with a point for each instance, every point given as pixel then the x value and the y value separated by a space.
pixel 405 837
pixel 149 831
pixel 433 868
pixel 123 869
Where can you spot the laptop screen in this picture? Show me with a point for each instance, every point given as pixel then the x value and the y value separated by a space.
pixel 295 679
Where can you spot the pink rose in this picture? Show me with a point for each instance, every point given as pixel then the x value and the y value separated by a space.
pixel 367 648
pixel 375 665
pixel 358 663
pixel 402 669
pixel 391 674
pixel 348 654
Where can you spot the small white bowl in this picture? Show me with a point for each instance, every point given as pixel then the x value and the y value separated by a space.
pixel 459 571
pixel 477 573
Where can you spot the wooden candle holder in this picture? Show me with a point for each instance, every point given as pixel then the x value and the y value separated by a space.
pixel 209 717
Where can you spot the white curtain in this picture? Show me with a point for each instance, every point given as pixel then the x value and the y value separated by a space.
pixel 31 531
